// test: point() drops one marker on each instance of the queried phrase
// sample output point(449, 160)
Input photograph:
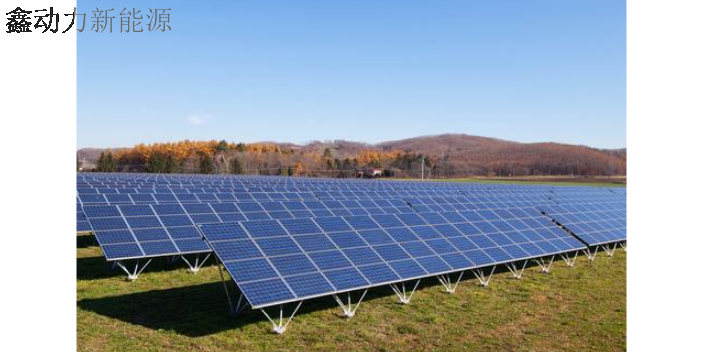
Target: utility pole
point(422, 169)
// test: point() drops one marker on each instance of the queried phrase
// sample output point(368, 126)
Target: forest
point(444, 156)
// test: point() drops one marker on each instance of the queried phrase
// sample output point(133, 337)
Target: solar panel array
point(596, 220)
point(82, 223)
point(280, 261)
point(129, 231)
point(290, 239)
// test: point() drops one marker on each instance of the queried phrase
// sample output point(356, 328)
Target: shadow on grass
point(202, 310)
point(85, 240)
point(192, 311)
point(93, 268)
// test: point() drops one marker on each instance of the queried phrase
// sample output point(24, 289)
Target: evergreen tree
point(206, 164)
point(222, 146)
point(236, 167)
point(106, 163)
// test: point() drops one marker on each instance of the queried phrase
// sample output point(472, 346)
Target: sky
point(364, 70)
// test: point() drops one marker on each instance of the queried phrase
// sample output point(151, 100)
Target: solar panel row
point(284, 260)
point(286, 240)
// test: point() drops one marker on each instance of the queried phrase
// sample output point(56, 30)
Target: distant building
point(370, 173)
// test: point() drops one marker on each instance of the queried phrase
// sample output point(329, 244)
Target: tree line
point(332, 160)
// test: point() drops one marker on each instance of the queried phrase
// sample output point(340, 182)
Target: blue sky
point(297, 71)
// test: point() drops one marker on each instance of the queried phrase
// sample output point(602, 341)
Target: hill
point(448, 155)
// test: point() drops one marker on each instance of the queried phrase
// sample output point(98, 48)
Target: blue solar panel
point(362, 256)
point(361, 222)
point(264, 228)
point(309, 284)
point(293, 264)
point(300, 226)
point(123, 250)
point(417, 248)
point(178, 232)
point(156, 248)
point(332, 259)
point(333, 224)
point(191, 245)
point(346, 239)
point(594, 224)
point(433, 264)
point(150, 234)
point(262, 292)
point(235, 250)
point(114, 237)
point(378, 273)
point(300, 238)
point(344, 279)
point(251, 270)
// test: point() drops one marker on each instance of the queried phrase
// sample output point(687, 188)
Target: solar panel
point(409, 229)
point(594, 224)
point(139, 231)
point(300, 259)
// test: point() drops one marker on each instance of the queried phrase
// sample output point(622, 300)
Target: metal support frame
point(623, 245)
point(195, 267)
point(591, 255)
point(517, 274)
point(348, 309)
point(610, 250)
point(403, 296)
point(132, 275)
point(545, 265)
point(446, 282)
point(569, 261)
point(235, 309)
point(280, 325)
point(483, 280)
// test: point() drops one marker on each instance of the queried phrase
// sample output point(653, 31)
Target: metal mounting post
point(132, 275)
point(623, 245)
point(280, 325)
point(348, 309)
point(446, 282)
point(610, 250)
point(545, 265)
point(235, 309)
point(195, 267)
point(591, 255)
point(483, 280)
point(403, 296)
point(517, 274)
point(569, 261)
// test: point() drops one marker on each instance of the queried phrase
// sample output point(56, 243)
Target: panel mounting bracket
point(400, 289)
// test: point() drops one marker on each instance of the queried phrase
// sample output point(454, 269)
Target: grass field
point(620, 182)
point(617, 182)
point(167, 308)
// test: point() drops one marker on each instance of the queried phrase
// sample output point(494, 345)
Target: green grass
point(520, 182)
point(169, 309)
point(541, 183)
